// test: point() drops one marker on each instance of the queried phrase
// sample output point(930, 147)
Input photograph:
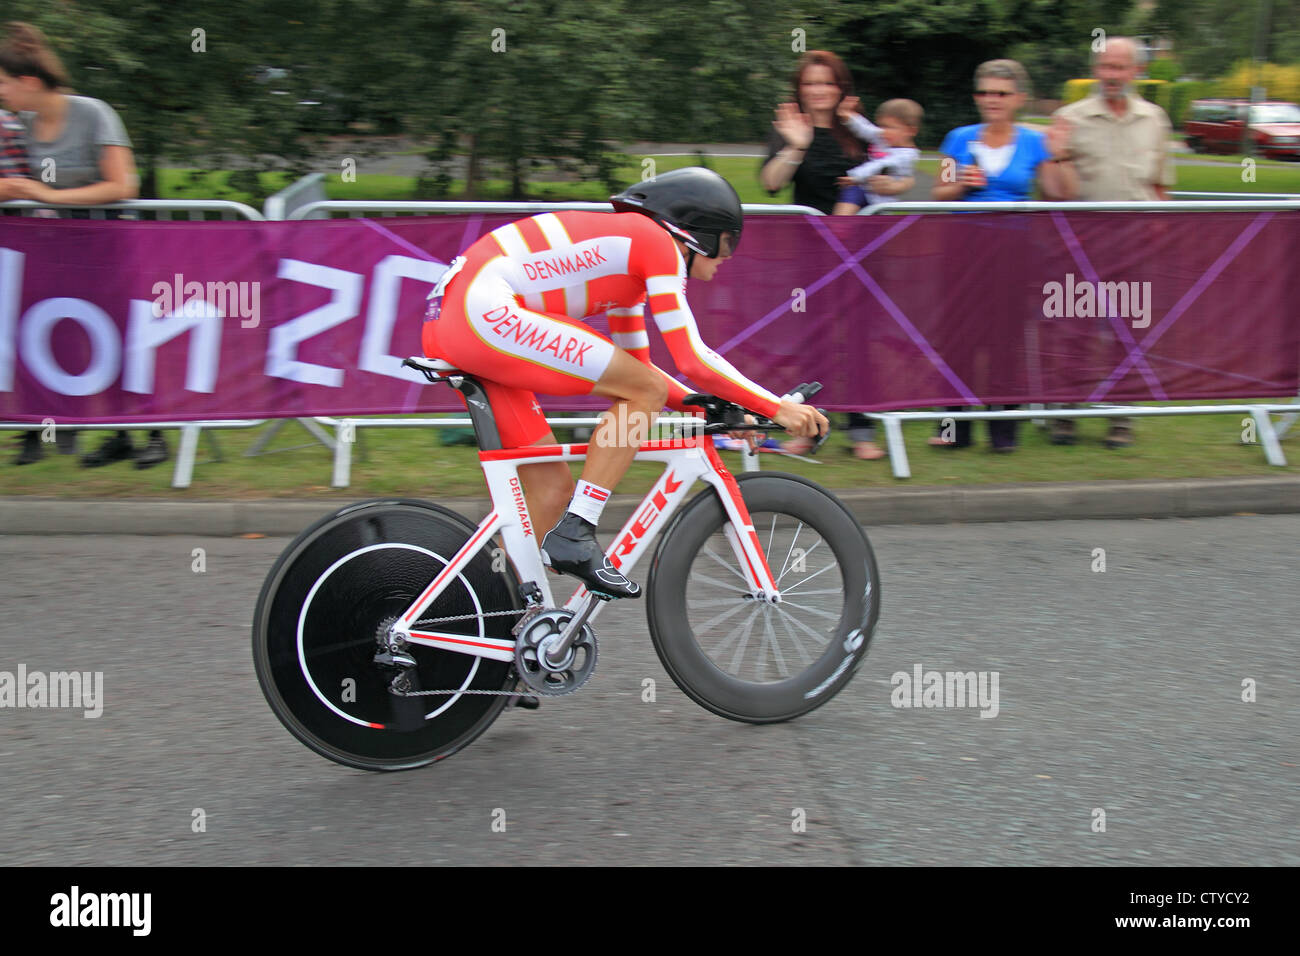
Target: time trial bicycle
point(391, 633)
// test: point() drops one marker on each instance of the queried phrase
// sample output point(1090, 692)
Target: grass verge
point(412, 462)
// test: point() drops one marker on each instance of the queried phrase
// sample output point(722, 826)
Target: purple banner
point(150, 321)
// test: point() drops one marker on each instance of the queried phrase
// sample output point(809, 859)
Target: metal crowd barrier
point(352, 208)
point(1190, 205)
point(153, 209)
point(301, 192)
point(346, 434)
point(294, 203)
point(1269, 432)
point(194, 210)
point(1236, 196)
point(185, 452)
point(1259, 411)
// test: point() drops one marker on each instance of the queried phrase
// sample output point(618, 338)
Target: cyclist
point(509, 309)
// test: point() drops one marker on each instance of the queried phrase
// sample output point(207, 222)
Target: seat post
point(480, 411)
point(476, 400)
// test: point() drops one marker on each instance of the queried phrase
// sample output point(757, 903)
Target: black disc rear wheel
point(330, 597)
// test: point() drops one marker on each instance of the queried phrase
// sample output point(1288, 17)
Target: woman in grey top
point(78, 150)
point(79, 154)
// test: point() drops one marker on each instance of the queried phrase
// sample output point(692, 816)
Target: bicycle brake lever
point(799, 395)
point(821, 440)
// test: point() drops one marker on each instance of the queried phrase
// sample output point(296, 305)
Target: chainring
point(576, 668)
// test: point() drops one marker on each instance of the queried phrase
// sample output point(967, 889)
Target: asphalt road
point(1119, 691)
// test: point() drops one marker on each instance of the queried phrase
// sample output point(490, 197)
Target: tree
point(524, 82)
point(182, 79)
point(1211, 35)
point(928, 52)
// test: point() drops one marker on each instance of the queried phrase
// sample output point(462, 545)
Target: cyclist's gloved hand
point(802, 421)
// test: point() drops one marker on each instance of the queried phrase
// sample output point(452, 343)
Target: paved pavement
point(1120, 693)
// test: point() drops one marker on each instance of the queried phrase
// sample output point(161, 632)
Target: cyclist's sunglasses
point(715, 245)
point(727, 243)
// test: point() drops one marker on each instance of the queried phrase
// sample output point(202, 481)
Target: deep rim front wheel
point(749, 659)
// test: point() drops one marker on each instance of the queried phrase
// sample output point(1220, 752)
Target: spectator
point(996, 160)
point(1117, 149)
point(811, 146)
point(84, 157)
point(13, 165)
point(13, 148)
point(893, 150)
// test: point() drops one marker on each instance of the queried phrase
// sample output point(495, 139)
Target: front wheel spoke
point(839, 591)
point(812, 610)
point(770, 634)
point(799, 584)
point(796, 643)
point(785, 616)
point(744, 642)
point(734, 570)
point(711, 602)
point(804, 558)
point(793, 542)
point(740, 606)
point(719, 648)
point(700, 576)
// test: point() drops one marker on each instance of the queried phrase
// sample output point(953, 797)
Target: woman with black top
point(811, 146)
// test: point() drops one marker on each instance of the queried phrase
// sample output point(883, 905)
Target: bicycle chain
point(465, 617)
point(490, 693)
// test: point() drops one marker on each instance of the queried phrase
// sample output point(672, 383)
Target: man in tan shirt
point(1117, 152)
point(1118, 141)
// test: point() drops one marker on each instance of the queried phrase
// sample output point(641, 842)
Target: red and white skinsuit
point(511, 308)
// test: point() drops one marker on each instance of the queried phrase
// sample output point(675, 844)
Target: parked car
point(1215, 126)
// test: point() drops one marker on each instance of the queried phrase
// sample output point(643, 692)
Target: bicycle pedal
point(526, 701)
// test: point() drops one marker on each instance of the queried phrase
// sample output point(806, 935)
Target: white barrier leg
point(1287, 420)
point(343, 454)
point(1268, 437)
point(897, 450)
point(319, 433)
point(184, 472)
point(265, 438)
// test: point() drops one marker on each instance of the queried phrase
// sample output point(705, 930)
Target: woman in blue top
point(996, 160)
point(993, 161)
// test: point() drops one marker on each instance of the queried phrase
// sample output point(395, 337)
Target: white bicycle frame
point(686, 460)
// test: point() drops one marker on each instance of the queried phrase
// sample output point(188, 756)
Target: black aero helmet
point(694, 204)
